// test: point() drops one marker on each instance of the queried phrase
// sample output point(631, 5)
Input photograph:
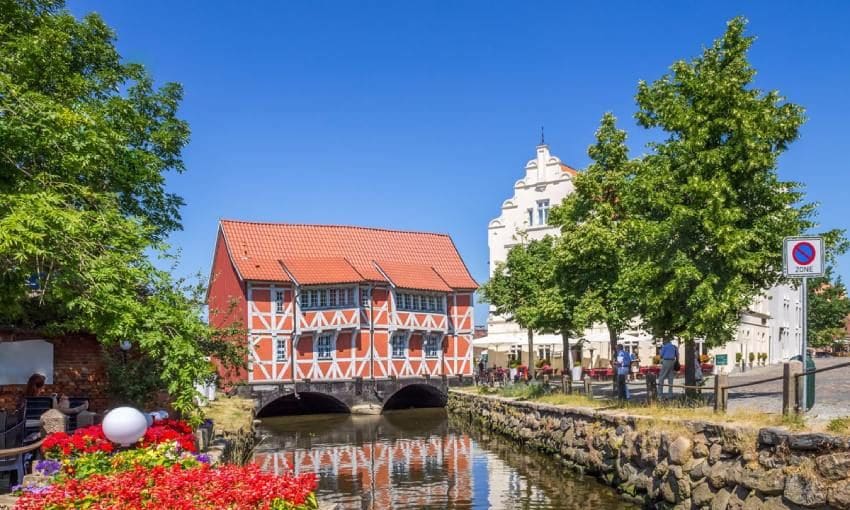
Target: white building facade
point(772, 325)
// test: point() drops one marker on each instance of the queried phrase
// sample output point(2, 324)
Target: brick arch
point(415, 395)
point(309, 402)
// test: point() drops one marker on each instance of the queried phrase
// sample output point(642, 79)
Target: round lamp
point(124, 425)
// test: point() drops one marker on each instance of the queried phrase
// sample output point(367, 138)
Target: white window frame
point(317, 345)
point(543, 212)
point(365, 298)
point(530, 211)
point(278, 301)
point(327, 298)
point(279, 348)
point(419, 302)
point(433, 338)
point(405, 340)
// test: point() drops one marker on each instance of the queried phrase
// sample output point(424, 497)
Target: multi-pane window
point(279, 349)
point(419, 302)
point(364, 297)
point(278, 301)
point(399, 345)
point(544, 352)
point(530, 212)
point(336, 297)
point(431, 345)
point(323, 346)
point(542, 212)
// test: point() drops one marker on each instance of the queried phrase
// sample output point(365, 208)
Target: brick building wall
point(78, 370)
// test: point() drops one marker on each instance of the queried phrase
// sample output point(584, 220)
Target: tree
point(557, 299)
point(85, 141)
point(593, 246)
point(518, 286)
point(829, 307)
point(708, 211)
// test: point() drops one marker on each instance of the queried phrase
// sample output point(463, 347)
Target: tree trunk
point(690, 368)
point(613, 334)
point(568, 356)
point(530, 353)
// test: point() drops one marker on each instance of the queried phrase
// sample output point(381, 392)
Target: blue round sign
point(803, 253)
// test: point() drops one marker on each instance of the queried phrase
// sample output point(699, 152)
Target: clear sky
point(421, 115)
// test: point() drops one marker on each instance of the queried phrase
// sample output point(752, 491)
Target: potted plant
point(705, 358)
point(656, 360)
point(752, 357)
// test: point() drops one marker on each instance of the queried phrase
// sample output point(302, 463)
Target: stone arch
point(415, 395)
point(308, 402)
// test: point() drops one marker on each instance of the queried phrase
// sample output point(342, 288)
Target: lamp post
point(125, 346)
point(124, 425)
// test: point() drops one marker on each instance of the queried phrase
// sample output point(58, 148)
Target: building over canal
point(325, 303)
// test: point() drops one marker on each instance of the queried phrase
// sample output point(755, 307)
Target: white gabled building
point(772, 325)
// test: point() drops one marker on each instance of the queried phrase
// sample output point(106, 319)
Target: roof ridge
point(334, 225)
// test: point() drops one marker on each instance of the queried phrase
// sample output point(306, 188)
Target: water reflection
point(420, 459)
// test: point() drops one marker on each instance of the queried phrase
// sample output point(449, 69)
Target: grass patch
point(839, 425)
point(575, 400)
point(230, 414)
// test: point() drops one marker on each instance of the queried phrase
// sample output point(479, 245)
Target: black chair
point(34, 408)
point(13, 438)
point(72, 418)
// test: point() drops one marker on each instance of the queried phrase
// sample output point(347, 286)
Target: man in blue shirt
point(669, 355)
point(623, 364)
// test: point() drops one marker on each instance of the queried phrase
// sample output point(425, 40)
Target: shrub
point(738, 357)
point(752, 357)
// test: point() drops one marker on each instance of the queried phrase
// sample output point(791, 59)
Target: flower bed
point(161, 471)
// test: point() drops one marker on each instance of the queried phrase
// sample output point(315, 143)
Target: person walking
point(623, 364)
point(669, 356)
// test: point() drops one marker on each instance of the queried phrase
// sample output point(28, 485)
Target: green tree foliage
point(85, 142)
point(829, 307)
point(708, 209)
point(593, 247)
point(521, 288)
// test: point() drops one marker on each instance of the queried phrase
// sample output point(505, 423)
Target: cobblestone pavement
point(832, 390)
point(832, 394)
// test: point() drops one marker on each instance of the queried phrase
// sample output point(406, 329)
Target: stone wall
point(681, 465)
point(78, 370)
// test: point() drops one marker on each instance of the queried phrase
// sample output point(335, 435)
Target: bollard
point(787, 388)
point(722, 382)
point(588, 389)
point(651, 387)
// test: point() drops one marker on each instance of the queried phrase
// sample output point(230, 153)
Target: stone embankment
point(678, 464)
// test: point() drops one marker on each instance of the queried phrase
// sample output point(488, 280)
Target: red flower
point(203, 487)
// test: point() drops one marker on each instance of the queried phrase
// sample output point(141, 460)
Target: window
point(337, 297)
point(530, 217)
point(431, 344)
point(544, 352)
point(419, 302)
point(364, 298)
point(542, 212)
point(515, 354)
point(278, 300)
point(323, 346)
point(399, 345)
point(280, 349)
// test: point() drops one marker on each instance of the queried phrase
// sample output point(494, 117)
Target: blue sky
point(421, 115)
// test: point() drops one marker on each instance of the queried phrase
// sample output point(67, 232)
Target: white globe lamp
point(124, 425)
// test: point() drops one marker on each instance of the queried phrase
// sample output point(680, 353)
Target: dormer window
point(336, 297)
point(413, 302)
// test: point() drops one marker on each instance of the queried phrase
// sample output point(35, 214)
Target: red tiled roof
point(413, 276)
point(568, 169)
point(253, 246)
point(321, 270)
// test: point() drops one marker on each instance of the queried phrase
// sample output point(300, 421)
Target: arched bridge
point(308, 397)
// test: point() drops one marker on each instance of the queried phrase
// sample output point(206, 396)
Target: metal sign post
point(802, 257)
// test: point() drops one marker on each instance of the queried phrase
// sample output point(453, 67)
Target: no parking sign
point(803, 257)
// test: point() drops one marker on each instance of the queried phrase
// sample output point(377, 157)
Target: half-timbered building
point(324, 302)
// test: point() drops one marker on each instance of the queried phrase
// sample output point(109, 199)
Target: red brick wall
point(78, 370)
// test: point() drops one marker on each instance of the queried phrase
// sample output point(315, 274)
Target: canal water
point(422, 459)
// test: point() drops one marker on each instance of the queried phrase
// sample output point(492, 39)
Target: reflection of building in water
point(504, 483)
point(404, 473)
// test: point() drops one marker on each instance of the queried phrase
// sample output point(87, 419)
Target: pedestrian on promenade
point(623, 365)
point(669, 356)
